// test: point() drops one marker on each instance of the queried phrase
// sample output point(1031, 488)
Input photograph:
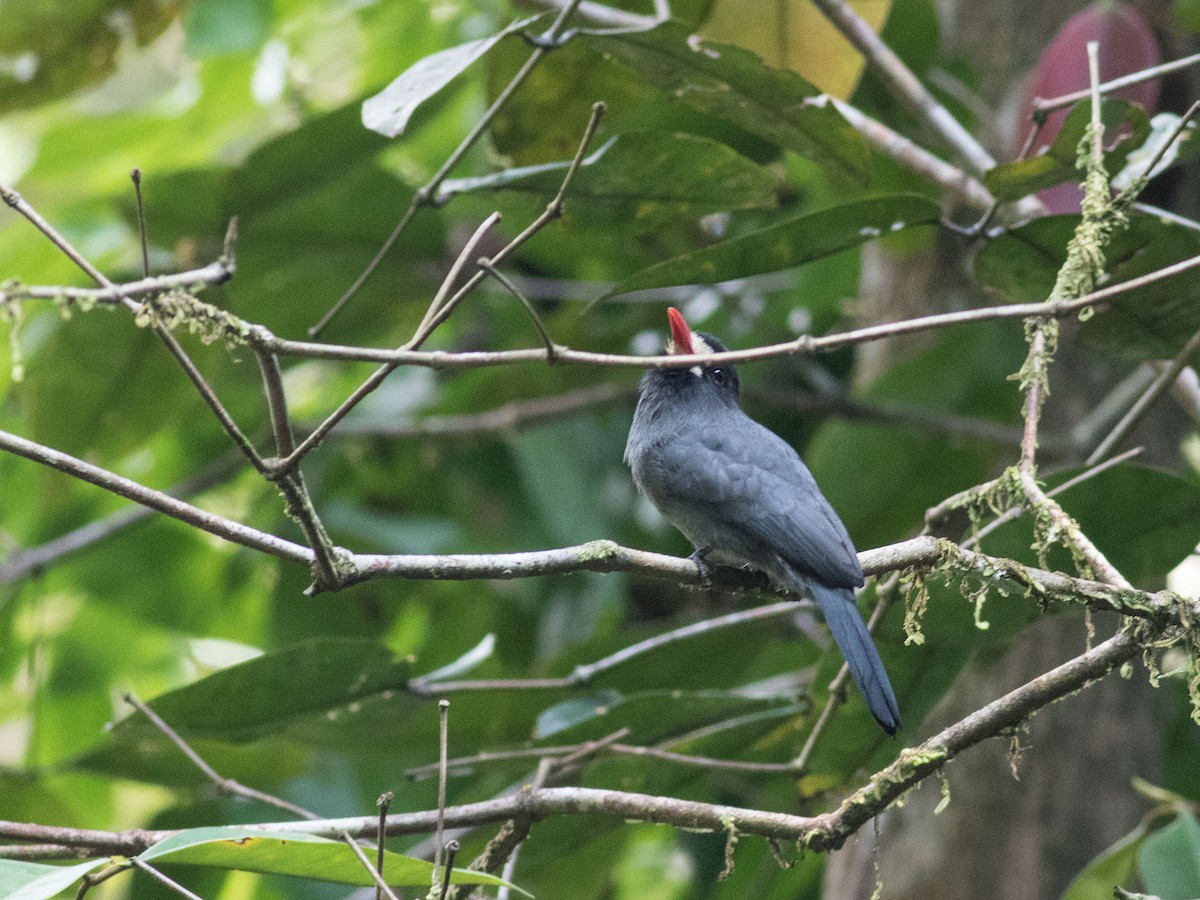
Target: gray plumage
point(738, 490)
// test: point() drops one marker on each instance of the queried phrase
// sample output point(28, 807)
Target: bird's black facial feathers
point(674, 386)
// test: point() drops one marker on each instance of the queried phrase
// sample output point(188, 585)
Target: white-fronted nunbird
point(739, 492)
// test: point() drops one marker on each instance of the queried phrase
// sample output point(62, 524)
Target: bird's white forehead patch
point(699, 345)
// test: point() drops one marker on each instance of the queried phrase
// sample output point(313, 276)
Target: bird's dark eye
point(720, 376)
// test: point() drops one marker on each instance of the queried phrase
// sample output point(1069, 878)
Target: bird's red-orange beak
point(681, 335)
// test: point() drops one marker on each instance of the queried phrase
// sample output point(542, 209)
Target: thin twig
point(1093, 60)
point(136, 175)
point(291, 482)
point(162, 879)
point(584, 673)
point(903, 84)
point(1053, 308)
point(443, 754)
point(553, 211)
point(1043, 106)
point(21, 563)
point(17, 202)
point(439, 299)
point(235, 788)
point(551, 347)
point(1165, 146)
point(425, 194)
point(225, 785)
point(217, 272)
point(384, 801)
point(228, 529)
point(1166, 377)
point(451, 852)
point(1016, 512)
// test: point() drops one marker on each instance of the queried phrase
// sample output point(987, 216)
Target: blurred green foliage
point(253, 110)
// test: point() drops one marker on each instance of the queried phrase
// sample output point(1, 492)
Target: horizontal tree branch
point(827, 831)
point(157, 500)
point(217, 272)
point(600, 555)
point(437, 359)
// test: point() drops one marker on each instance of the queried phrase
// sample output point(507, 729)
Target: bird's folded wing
point(760, 486)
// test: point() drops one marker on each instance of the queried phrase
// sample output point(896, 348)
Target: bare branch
point(217, 272)
point(17, 202)
point(582, 674)
point(1054, 308)
point(1042, 106)
point(156, 500)
point(903, 84)
point(553, 211)
point(162, 879)
point(1167, 376)
point(425, 194)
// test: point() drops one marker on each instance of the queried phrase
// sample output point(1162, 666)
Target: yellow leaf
point(795, 35)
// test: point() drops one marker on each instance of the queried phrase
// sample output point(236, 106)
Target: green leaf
point(261, 696)
point(1169, 860)
point(1108, 870)
point(298, 854)
point(787, 244)
point(1150, 322)
point(650, 715)
point(216, 27)
point(735, 85)
point(1011, 181)
point(389, 111)
point(35, 881)
point(643, 170)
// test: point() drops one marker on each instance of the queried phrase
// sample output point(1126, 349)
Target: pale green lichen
point(180, 307)
point(598, 551)
point(731, 839)
point(12, 313)
point(915, 586)
point(945, 801)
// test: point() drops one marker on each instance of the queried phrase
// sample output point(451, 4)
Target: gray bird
point(739, 492)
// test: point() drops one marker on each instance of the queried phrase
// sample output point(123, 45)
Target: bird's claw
point(703, 568)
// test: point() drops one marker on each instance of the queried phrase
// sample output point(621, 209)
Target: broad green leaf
point(789, 243)
point(1169, 859)
point(389, 111)
point(34, 881)
point(298, 854)
point(643, 171)
point(1150, 322)
point(260, 696)
point(735, 85)
point(571, 712)
point(1011, 181)
point(1110, 869)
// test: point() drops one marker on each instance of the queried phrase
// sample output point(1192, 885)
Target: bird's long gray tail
point(850, 632)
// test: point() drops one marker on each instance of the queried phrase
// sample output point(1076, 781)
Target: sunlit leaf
point(796, 36)
point(389, 111)
point(34, 881)
point(297, 854)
